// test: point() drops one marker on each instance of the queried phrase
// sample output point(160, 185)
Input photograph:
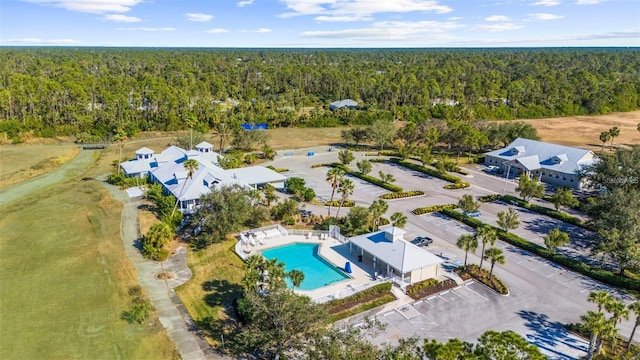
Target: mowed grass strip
point(216, 281)
point(65, 276)
point(19, 163)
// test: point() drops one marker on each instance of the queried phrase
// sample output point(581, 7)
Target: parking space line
point(475, 292)
point(418, 302)
point(555, 273)
point(461, 297)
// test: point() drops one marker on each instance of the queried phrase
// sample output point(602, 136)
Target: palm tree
point(604, 137)
point(120, 137)
point(334, 177)
point(398, 219)
point(190, 165)
point(224, 131)
point(618, 311)
point(598, 326)
point(345, 188)
point(601, 298)
point(376, 211)
point(494, 255)
point(297, 277)
point(614, 132)
point(467, 243)
point(487, 235)
point(635, 307)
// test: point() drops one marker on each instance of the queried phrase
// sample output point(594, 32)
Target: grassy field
point(217, 272)
point(15, 167)
point(65, 276)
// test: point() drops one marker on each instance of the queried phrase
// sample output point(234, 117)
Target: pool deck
point(336, 253)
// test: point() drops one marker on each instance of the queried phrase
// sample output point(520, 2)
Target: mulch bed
point(348, 305)
point(430, 290)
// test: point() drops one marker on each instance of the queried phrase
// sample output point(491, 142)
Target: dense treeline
point(91, 92)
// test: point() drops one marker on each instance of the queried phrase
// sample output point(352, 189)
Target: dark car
point(422, 241)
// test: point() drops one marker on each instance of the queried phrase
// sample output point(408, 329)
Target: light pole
point(506, 178)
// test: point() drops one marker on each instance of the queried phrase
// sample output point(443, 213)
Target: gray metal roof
point(144, 151)
point(400, 254)
point(568, 160)
point(256, 175)
point(343, 103)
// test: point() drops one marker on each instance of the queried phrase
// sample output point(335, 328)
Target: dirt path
point(71, 169)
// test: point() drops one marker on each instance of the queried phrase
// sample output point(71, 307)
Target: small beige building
point(391, 256)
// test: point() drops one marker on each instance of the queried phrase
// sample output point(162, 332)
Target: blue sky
point(320, 23)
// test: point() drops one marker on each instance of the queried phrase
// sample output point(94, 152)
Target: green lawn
point(64, 278)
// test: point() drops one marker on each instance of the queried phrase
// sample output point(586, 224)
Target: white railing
point(350, 290)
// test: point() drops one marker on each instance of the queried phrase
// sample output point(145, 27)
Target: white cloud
point(543, 16)
point(198, 17)
point(504, 26)
point(454, 18)
point(391, 30)
point(217, 31)
point(546, 3)
point(147, 29)
point(122, 18)
point(263, 30)
point(497, 18)
point(347, 18)
point(360, 8)
point(245, 3)
point(589, 2)
point(35, 41)
point(91, 6)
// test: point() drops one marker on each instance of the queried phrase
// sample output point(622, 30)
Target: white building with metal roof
point(392, 256)
point(346, 103)
point(553, 164)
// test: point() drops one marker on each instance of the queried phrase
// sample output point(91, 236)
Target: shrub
point(489, 198)
point(460, 185)
point(371, 154)
point(421, 285)
point(336, 203)
point(322, 164)
point(425, 170)
point(377, 289)
point(429, 287)
point(461, 171)
point(433, 208)
point(379, 300)
point(308, 194)
point(400, 195)
point(482, 276)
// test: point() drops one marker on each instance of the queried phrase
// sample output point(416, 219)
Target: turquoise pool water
point(318, 272)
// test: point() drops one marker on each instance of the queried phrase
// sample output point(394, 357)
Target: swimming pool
point(318, 272)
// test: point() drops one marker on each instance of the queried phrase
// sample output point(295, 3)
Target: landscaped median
point(484, 277)
point(602, 275)
point(553, 213)
point(432, 209)
point(401, 195)
point(359, 302)
point(456, 182)
point(428, 287)
point(370, 179)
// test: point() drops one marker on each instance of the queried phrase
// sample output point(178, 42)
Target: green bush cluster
point(377, 289)
point(388, 153)
point(400, 195)
point(482, 276)
point(119, 179)
point(421, 285)
point(460, 185)
point(336, 203)
point(433, 208)
point(322, 164)
point(384, 299)
point(371, 154)
point(578, 266)
point(461, 171)
point(489, 198)
point(371, 179)
point(553, 213)
point(378, 160)
point(429, 171)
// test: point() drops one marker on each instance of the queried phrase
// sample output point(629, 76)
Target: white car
point(491, 169)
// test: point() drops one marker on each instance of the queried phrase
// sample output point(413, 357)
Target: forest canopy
point(93, 92)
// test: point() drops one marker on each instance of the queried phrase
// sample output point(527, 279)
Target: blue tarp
point(347, 267)
point(247, 126)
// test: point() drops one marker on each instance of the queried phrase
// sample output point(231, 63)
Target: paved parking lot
point(543, 295)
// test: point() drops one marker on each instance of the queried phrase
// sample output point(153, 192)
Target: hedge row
point(460, 185)
point(336, 203)
point(371, 179)
point(429, 171)
point(602, 275)
point(377, 289)
point(421, 285)
point(433, 208)
point(400, 195)
point(489, 198)
point(374, 303)
point(562, 216)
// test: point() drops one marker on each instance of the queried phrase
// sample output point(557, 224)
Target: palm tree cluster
point(485, 235)
point(602, 329)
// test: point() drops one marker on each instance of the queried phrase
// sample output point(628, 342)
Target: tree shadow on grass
point(549, 334)
point(220, 292)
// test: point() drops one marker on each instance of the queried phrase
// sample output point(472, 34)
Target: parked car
point(422, 241)
point(491, 169)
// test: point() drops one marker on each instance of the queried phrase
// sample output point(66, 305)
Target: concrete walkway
point(171, 312)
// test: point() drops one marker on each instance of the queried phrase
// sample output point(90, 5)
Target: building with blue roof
point(553, 164)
